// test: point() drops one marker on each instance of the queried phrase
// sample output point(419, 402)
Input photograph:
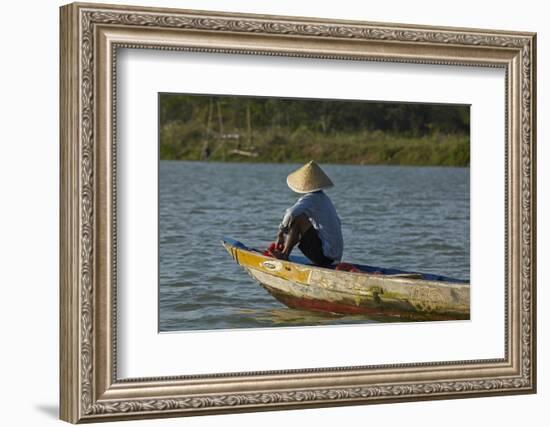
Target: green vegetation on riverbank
point(283, 130)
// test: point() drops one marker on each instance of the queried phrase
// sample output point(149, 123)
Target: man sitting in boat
point(312, 222)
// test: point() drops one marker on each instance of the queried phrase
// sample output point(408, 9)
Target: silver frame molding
point(90, 37)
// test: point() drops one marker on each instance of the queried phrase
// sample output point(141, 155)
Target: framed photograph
point(267, 212)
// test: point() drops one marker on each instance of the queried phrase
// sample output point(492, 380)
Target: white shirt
point(321, 213)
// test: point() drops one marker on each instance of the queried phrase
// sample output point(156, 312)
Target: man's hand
point(280, 255)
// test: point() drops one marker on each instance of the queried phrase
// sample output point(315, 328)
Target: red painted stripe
point(310, 304)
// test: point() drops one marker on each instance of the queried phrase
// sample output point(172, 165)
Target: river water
point(410, 218)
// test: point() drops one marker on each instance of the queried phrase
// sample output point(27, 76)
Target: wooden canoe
point(379, 293)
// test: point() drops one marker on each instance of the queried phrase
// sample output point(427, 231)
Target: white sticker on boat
point(272, 265)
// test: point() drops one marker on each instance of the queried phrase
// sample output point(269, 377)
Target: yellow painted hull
point(399, 297)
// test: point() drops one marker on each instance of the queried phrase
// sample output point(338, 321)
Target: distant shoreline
point(278, 130)
point(365, 148)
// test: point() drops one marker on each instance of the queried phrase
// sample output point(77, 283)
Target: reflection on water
point(291, 317)
point(412, 218)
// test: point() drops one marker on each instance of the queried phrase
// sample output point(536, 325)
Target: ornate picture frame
point(90, 37)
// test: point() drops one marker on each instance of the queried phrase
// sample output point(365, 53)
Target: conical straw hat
point(308, 178)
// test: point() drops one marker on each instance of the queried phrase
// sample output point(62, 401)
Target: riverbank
point(183, 142)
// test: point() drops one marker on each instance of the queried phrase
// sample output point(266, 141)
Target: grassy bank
point(183, 141)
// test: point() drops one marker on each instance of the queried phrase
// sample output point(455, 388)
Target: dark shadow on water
point(49, 409)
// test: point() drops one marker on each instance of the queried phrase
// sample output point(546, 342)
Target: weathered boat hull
point(378, 296)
